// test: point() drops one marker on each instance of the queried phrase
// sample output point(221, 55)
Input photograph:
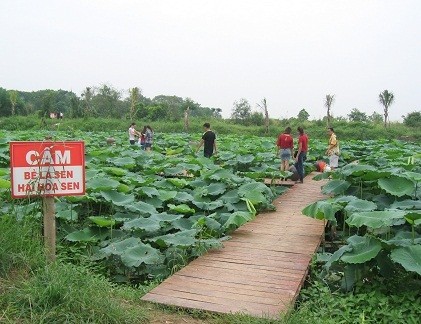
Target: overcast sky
point(292, 52)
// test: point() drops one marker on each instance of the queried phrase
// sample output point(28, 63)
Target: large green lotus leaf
point(408, 257)
point(166, 195)
point(118, 248)
point(209, 222)
point(237, 219)
point(208, 206)
point(125, 162)
point(179, 239)
point(356, 170)
point(413, 218)
point(102, 221)
point(322, 210)
point(102, 184)
point(115, 171)
point(182, 224)
point(117, 198)
point(258, 186)
point(337, 255)
point(144, 224)
point(182, 209)
point(164, 217)
point(124, 188)
point(183, 197)
point(375, 174)
point(190, 167)
point(230, 197)
point(245, 159)
point(366, 249)
point(67, 214)
point(141, 254)
point(335, 187)
point(344, 200)
point(376, 219)
point(142, 208)
point(255, 197)
point(88, 234)
point(4, 171)
point(179, 183)
point(215, 189)
point(397, 186)
point(149, 191)
point(174, 170)
point(406, 204)
point(404, 238)
point(414, 176)
point(4, 184)
point(221, 174)
point(360, 205)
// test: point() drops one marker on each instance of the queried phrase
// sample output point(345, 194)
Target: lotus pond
point(146, 214)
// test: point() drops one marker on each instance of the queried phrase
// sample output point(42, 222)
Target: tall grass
point(315, 128)
point(34, 291)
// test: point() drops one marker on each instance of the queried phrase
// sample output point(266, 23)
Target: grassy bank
point(34, 291)
point(316, 129)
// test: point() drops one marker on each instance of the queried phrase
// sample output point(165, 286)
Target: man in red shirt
point(285, 144)
point(301, 153)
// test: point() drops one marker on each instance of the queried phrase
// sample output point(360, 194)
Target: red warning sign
point(47, 168)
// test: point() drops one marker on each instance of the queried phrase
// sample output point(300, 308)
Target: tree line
point(105, 101)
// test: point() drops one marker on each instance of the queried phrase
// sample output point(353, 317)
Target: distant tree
point(87, 96)
point(328, 104)
point(5, 105)
point(357, 116)
point(186, 119)
point(386, 98)
point(13, 96)
point(75, 107)
point(48, 101)
point(413, 119)
point(303, 115)
point(216, 112)
point(107, 102)
point(255, 118)
point(376, 118)
point(241, 110)
point(263, 106)
point(135, 94)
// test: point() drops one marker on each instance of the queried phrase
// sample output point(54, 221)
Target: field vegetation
point(146, 215)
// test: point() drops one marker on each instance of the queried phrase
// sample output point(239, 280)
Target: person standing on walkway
point(301, 153)
point(148, 138)
point(332, 149)
point(285, 144)
point(209, 141)
point(133, 133)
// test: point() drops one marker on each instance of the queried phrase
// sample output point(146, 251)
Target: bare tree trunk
point(186, 119)
point(264, 107)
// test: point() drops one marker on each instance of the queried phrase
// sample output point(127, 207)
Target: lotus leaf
point(182, 209)
point(360, 205)
point(166, 195)
point(88, 234)
point(144, 224)
point(406, 204)
point(180, 239)
point(141, 207)
point(397, 185)
point(335, 187)
point(376, 219)
point(364, 249)
point(141, 254)
point(102, 184)
point(4, 184)
point(408, 257)
point(183, 197)
point(118, 248)
point(102, 221)
point(117, 198)
point(322, 210)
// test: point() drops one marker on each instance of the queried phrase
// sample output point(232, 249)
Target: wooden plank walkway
point(259, 271)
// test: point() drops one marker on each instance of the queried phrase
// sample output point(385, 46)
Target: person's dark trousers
point(299, 165)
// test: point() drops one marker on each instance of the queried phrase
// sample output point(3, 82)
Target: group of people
point(285, 150)
point(145, 137)
point(284, 147)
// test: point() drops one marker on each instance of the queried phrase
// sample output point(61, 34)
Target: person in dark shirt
point(301, 154)
point(208, 141)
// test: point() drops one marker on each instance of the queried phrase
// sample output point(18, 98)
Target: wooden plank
point(260, 270)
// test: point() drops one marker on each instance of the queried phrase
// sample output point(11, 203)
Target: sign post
point(47, 169)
